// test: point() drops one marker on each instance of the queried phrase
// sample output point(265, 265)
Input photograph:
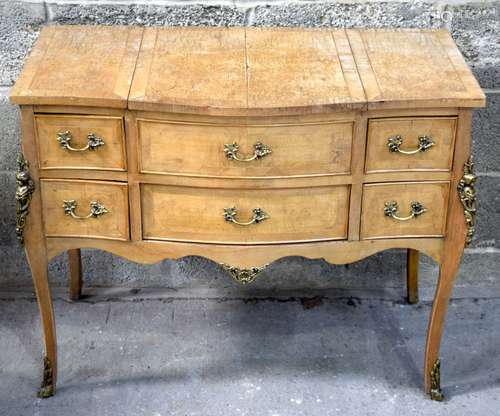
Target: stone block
point(373, 15)
point(7, 210)
point(488, 212)
point(148, 15)
point(486, 135)
point(20, 23)
point(476, 29)
point(9, 132)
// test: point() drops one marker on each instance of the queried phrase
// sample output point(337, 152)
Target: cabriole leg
point(30, 234)
point(29, 231)
point(412, 261)
point(75, 274)
point(38, 263)
point(447, 274)
point(459, 232)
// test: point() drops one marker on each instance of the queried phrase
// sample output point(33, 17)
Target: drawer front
point(85, 209)
point(406, 144)
point(81, 142)
point(207, 215)
point(393, 210)
point(207, 150)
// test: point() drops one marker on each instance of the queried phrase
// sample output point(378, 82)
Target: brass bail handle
point(394, 144)
point(96, 209)
point(260, 151)
point(93, 141)
point(258, 216)
point(391, 209)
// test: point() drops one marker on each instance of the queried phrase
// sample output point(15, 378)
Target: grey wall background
point(474, 26)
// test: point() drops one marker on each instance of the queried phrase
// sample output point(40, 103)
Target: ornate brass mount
point(96, 209)
point(258, 216)
point(47, 387)
point(467, 192)
point(391, 209)
point(243, 276)
point(260, 150)
point(93, 141)
point(435, 391)
point(24, 191)
point(395, 142)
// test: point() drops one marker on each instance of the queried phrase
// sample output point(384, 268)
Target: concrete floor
point(342, 355)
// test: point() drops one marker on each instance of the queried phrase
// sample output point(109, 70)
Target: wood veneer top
point(246, 71)
point(413, 68)
point(80, 65)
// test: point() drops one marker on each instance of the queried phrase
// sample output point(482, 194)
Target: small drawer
point(80, 142)
point(406, 144)
point(274, 150)
point(85, 209)
point(248, 216)
point(412, 209)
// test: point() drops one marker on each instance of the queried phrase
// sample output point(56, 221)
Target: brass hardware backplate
point(96, 209)
point(395, 142)
point(24, 191)
point(259, 215)
point(93, 141)
point(435, 391)
point(47, 387)
point(260, 151)
point(243, 276)
point(467, 192)
point(391, 209)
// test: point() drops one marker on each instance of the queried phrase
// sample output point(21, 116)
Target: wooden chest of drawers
point(244, 146)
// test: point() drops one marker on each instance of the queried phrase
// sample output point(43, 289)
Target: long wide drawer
point(81, 142)
point(411, 209)
point(275, 150)
point(85, 209)
point(410, 143)
point(235, 216)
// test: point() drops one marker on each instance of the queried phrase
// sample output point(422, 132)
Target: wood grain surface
point(80, 65)
point(197, 149)
point(197, 214)
point(412, 68)
point(433, 195)
point(438, 158)
point(110, 156)
point(246, 71)
point(190, 68)
point(112, 195)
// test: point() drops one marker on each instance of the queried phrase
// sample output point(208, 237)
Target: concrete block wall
point(475, 27)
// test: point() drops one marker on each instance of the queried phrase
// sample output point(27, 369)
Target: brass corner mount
point(467, 191)
point(24, 191)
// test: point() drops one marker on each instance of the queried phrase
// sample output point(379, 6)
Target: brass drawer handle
point(93, 141)
point(96, 209)
point(258, 216)
point(395, 142)
point(231, 151)
point(391, 209)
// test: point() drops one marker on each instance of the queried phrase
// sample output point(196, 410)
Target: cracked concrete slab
point(345, 356)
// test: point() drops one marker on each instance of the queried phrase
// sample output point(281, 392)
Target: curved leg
point(412, 275)
point(38, 263)
point(75, 273)
point(459, 231)
point(36, 253)
point(29, 230)
point(447, 274)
